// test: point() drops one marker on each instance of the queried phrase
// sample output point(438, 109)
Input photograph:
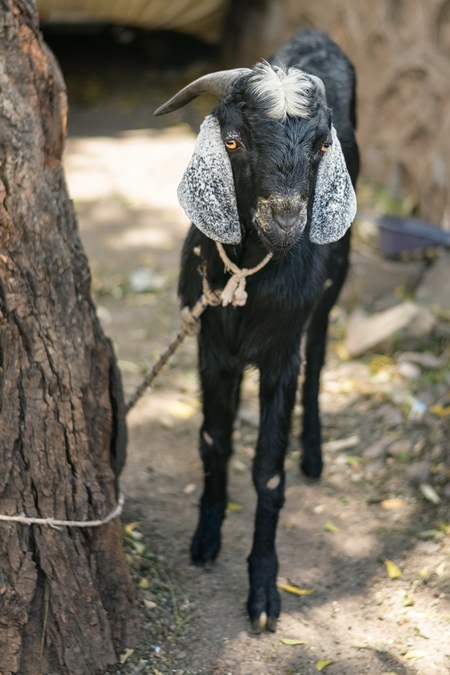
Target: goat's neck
point(249, 252)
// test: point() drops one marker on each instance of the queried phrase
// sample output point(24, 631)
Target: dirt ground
point(334, 537)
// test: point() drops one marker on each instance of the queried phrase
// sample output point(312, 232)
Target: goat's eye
point(231, 144)
point(324, 147)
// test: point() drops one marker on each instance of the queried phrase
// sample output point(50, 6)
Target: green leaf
point(353, 460)
point(138, 547)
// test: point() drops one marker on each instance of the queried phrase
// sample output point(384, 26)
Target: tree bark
point(66, 598)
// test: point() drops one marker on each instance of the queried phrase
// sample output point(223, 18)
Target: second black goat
point(273, 170)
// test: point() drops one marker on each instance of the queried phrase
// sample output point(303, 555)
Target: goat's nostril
point(286, 221)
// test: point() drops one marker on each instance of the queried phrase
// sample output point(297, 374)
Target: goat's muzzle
point(281, 220)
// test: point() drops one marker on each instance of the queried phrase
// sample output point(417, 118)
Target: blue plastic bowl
point(397, 235)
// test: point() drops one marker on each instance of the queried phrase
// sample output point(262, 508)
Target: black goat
point(268, 174)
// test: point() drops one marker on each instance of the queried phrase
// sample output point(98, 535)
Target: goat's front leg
point(220, 401)
point(277, 396)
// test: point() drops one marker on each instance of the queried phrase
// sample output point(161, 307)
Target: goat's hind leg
point(220, 401)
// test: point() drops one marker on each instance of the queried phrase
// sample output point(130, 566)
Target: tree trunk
point(65, 594)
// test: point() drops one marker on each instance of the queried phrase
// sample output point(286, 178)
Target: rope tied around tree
point(57, 524)
point(235, 294)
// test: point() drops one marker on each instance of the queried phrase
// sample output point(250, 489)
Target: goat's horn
point(219, 83)
point(320, 84)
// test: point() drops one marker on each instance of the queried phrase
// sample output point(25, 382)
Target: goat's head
point(268, 157)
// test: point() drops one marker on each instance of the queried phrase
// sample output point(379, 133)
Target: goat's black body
point(285, 300)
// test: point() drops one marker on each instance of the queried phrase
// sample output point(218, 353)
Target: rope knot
point(234, 292)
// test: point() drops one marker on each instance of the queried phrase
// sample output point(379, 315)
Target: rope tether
point(234, 293)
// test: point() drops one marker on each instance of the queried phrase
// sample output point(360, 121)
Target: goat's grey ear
point(206, 191)
point(334, 206)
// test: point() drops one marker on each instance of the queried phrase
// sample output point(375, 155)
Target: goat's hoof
point(259, 624)
point(271, 625)
point(205, 547)
point(207, 538)
point(203, 557)
point(264, 622)
point(265, 619)
point(311, 468)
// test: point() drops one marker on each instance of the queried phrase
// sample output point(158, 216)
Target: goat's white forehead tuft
point(284, 92)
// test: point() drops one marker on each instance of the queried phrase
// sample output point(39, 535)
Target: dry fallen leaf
point(341, 444)
point(126, 654)
point(430, 493)
point(129, 527)
point(393, 571)
point(149, 604)
point(392, 503)
point(440, 411)
point(183, 411)
point(295, 589)
point(342, 352)
point(408, 601)
point(189, 489)
point(440, 569)
point(415, 654)
point(444, 527)
point(424, 572)
point(330, 527)
point(320, 665)
point(290, 641)
point(144, 583)
point(380, 362)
